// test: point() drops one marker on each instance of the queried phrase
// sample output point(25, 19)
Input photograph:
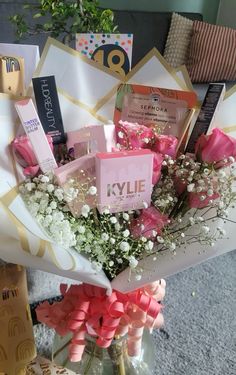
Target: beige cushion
point(178, 40)
point(212, 53)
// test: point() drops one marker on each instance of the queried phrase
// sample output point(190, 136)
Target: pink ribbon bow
point(86, 309)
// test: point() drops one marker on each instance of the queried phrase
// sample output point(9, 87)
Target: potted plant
point(59, 18)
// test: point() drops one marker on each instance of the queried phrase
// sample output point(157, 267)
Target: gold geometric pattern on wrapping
point(25, 350)
point(20, 370)
point(15, 327)
point(6, 310)
point(28, 313)
point(3, 356)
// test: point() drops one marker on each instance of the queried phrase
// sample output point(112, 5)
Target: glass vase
point(113, 360)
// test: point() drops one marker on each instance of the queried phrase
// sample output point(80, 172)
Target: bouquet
point(104, 211)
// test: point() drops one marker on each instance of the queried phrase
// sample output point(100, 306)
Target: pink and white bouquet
point(116, 207)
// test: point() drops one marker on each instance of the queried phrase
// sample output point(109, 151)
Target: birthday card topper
point(111, 50)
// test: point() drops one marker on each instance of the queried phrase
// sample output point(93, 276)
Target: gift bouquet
point(114, 206)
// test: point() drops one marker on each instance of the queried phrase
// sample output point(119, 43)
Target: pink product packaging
point(97, 138)
point(124, 180)
point(34, 130)
point(78, 174)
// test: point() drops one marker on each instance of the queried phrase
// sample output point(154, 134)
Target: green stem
point(91, 357)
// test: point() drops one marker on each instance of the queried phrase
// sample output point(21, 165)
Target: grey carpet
point(200, 319)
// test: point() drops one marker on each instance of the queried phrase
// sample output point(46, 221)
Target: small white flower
point(221, 173)
point(50, 188)
point(48, 210)
point(119, 260)
point(143, 239)
point(172, 246)
point(38, 194)
point(53, 205)
point(221, 205)
point(210, 192)
point(85, 210)
point(154, 233)
point(231, 159)
point(133, 262)
point(87, 249)
point(106, 211)
point(182, 235)
point(145, 205)
point(190, 187)
point(202, 197)
point(126, 233)
point(124, 246)
point(126, 216)
point(117, 227)
point(146, 140)
point(138, 277)
point(112, 241)
point(105, 237)
point(29, 186)
point(81, 229)
point(149, 245)
point(200, 219)
point(160, 239)
point(113, 220)
point(111, 263)
point(192, 220)
point(59, 194)
point(92, 190)
point(205, 229)
point(44, 179)
point(120, 134)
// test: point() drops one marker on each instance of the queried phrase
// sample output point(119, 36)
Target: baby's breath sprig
point(104, 238)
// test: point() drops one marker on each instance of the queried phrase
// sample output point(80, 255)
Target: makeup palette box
point(78, 174)
point(124, 180)
point(12, 75)
point(34, 130)
point(91, 139)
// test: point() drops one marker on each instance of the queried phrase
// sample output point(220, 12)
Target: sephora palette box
point(124, 180)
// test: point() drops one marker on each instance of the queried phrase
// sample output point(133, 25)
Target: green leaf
point(37, 15)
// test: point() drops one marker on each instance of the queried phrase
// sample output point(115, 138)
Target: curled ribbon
point(86, 309)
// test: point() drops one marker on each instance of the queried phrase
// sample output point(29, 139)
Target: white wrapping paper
point(82, 85)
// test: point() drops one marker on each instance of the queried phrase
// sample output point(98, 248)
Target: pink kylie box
point(124, 180)
point(96, 138)
point(79, 174)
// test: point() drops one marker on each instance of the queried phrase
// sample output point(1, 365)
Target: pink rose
point(157, 164)
point(215, 147)
point(149, 220)
point(25, 155)
point(165, 145)
point(134, 136)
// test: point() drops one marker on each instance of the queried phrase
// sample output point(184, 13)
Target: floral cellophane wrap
point(84, 101)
